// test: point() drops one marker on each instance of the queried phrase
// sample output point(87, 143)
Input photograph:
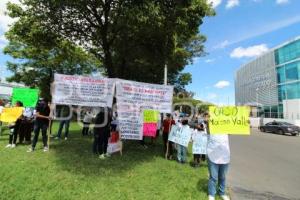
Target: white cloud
point(212, 96)
point(5, 20)
point(280, 2)
point(209, 60)
point(214, 3)
point(251, 51)
point(232, 3)
point(222, 84)
point(3, 42)
point(222, 45)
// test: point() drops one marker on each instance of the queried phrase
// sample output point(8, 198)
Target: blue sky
point(240, 31)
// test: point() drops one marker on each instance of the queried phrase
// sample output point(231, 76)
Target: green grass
point(71, 171)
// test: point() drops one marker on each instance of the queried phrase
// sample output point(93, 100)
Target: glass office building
point(271, 82)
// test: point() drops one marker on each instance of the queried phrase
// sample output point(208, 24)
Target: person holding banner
point(182, 150)
point(14, 129)
point(64, 115)
point(197, 140)
point(101, 133)
point(167, 124)
point(218, 153)
point(41, 123)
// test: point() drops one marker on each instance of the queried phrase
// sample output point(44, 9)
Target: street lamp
point(257, 111)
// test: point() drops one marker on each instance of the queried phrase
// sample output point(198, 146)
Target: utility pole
point(166, 75)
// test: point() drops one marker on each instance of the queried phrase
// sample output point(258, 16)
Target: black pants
point(100, 143)
point(25, 131)
point(165, 140)
point(85, 130)
point(197, 158)
point(37, 127)
point(13, 136)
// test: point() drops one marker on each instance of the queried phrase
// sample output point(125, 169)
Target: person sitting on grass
point(41, 123)
point(218, 154)
point(182, 150)
point(14, 129)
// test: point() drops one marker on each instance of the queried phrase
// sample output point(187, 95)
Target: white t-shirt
point(1, 108)
point(218, 150)
point(88, 117)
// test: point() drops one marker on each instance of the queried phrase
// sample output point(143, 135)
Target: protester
point(101, 133)
point(182, 150)
point(64, 115)
point(87, 120)
point(196, 134)
point(26, 126)
point(168, 145)
point(218, 153)
point(41, 123)
point(14, 129)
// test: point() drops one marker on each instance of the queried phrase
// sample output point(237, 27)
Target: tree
point(41, 53)
point(134, 39)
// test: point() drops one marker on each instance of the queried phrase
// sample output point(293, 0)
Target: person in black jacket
point(102, 133)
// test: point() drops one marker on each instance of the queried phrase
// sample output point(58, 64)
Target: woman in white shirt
point(218, 153)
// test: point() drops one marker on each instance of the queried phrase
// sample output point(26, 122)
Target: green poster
point(27, 96)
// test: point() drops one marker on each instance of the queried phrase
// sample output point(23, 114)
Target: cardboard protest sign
point(229, 120)
point(133, 98)
point(180, 135)
point(27, 96)
point(10, 115)
point(199, 143)
point(149, 129)
point(82, 91)
point(150, 116)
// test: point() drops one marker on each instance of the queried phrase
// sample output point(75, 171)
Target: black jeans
point(100, 143)
point(165, 140)
point(37, 127)
point(25, 131)
point(13, 136)
point(85, 130)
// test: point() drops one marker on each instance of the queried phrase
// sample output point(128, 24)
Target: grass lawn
point(71, 171)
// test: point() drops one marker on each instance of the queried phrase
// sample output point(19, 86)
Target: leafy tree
point(134, 39)
point(39, 53)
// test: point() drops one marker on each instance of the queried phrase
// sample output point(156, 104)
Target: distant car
point(281, 128)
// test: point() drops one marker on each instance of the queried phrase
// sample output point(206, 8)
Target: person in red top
point(167, 124)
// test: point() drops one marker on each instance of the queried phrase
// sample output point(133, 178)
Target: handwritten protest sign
point(199, 142)
point(133, 98)
point(27, 96)
point(10, 115)
point(229, 120)
point(149, 129)
point(150, 116)
point(180, 135)
point(82, 91)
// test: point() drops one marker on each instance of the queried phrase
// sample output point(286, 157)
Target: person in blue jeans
point(182, 150)
point(218, 153)
point(64, 113)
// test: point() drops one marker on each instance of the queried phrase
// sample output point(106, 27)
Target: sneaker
point(211, 198)
point(102, 157)
point(56, 138)
point(107, 155)
point(66, 138)
point(8, 146)
point(46, 149)
point(30, 150)
point(13, 145)
point(225, 197)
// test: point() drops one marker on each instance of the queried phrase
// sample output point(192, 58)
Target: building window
point(281, 74)
point(287, 53)
point(292, 72)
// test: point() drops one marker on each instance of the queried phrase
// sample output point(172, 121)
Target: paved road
point(265, 166)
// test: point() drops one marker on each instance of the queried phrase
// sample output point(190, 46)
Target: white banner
point(180, 135)
point(199, 142)
point(82, 91)
point(133, 98)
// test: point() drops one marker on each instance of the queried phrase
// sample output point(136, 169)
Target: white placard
point(133, 98)
point(82, 91)
point(199, 142)
point(180, 135)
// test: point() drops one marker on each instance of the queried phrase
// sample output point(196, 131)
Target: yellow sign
point(10, 115)
point(151, 116)
point(229, 120)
